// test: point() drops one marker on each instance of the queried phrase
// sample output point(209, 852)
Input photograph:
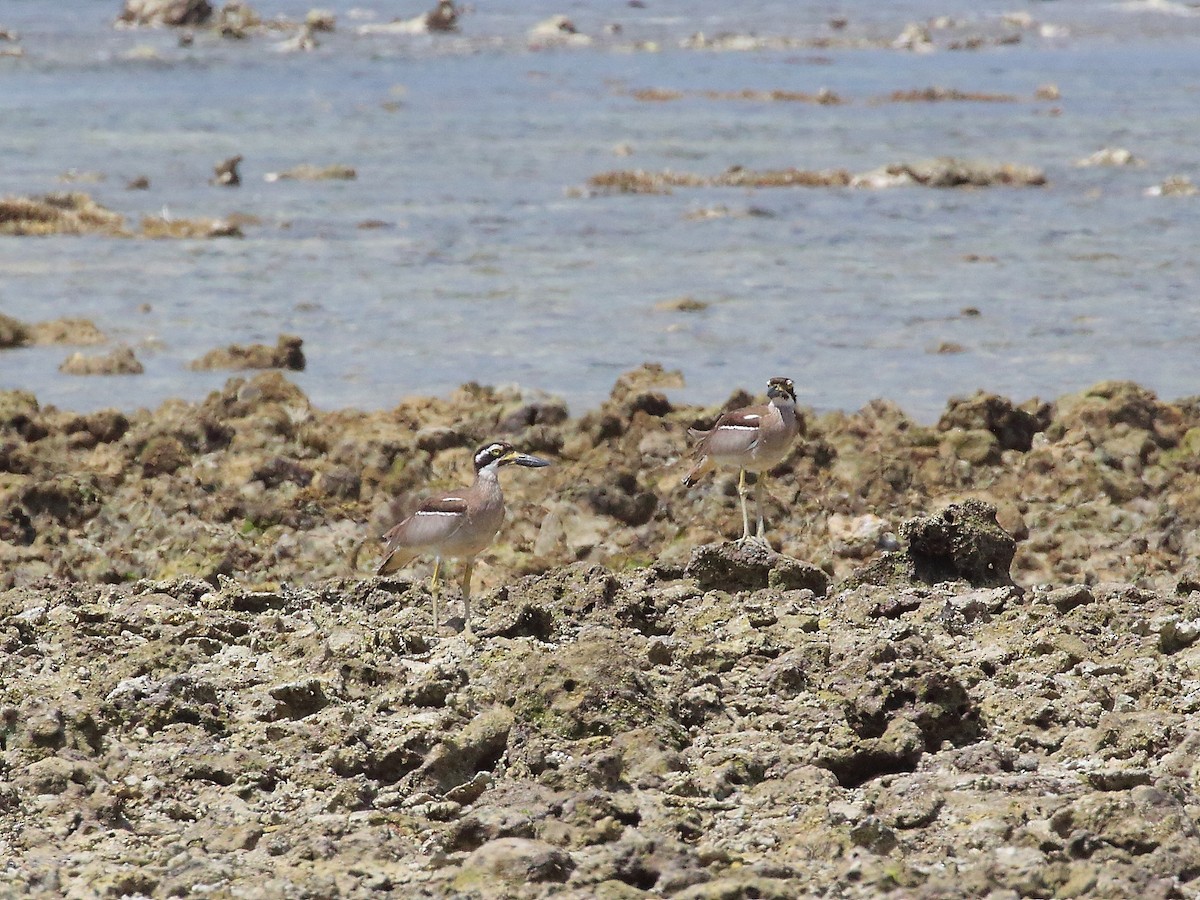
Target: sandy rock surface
point(967, 667)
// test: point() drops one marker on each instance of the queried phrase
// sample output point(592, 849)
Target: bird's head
point(781, 389)
point(502, 453)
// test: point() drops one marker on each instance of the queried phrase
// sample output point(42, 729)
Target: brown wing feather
point(747, 416)
point(735, 433)
point(443, 505)
point(435, 520)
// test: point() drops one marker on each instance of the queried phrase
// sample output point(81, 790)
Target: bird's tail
point(701, 465)
point(396, 558)
point(696, 472)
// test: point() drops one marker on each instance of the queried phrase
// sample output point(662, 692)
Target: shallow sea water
point(494, 264)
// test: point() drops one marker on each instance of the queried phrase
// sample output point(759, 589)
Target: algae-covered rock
point(171, 13)
point(1013, 427)
point(12, 332)
point(515, 861)
point(751, 565)
point(962, 542)
point(120, 361)
point(58, 213)
point(67, 330)
point(286, 354)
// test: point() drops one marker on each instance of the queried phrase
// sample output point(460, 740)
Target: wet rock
point(159, 228)
point(235, 20)
point(557, 31)
point(948, 172)
point(443, 18)
point(320, 20)
point(59, 213)
point(641, 182)
point(171, 13)
point(286, 354)
point(120, 361)
point(66, 331)
point(749, 566)
point(681, 304)
point(1174, 186)
point(942, 95)
point(307, 172)
point(1110, 156)
point(12, 332)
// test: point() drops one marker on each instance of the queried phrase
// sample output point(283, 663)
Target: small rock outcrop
point(58, 213)
point(286, 354)
point(67, 330)
point(750, 566)
point(963, 542)
point(120, 361)
point(169, 13)
point(13, 333)
point(1012, 426)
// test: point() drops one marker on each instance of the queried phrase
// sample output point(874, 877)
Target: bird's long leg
point(466, 592)
point(433, 589)
point(758, 502)
point(745, 513)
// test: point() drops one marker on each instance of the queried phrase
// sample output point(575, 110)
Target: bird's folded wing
point(434, 521)
point(735, 433)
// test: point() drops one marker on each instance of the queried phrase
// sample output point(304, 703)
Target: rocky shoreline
point(967, 668)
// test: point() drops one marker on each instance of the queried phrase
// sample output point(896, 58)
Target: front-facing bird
point(750, 439)
point(457, 525)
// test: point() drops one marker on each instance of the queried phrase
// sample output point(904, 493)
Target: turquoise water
point(495, 264)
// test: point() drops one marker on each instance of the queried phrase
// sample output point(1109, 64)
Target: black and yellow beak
point(513, 458)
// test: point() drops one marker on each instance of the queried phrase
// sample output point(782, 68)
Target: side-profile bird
point(457, 525)
point(750, 439)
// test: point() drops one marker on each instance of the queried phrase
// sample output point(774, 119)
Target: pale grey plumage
point(750, 439)
point(458, 525)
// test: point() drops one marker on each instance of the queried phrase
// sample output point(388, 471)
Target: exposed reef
point(965, 666)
